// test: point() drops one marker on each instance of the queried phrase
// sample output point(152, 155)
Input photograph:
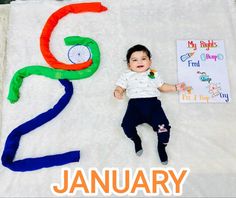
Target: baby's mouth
point(140, 66)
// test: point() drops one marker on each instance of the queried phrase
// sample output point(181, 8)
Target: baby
point(143, 86)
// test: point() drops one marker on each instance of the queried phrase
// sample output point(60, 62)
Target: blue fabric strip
point(13, 140)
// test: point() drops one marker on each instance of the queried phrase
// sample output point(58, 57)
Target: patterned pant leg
point(160, 123)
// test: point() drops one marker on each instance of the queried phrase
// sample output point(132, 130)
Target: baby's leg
point(160, 124)
point(131, 132)
point(129, 123)
point(163, 139)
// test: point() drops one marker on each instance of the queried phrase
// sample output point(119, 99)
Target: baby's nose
point(140, 61)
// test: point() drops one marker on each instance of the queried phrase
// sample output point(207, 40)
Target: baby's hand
point(118, 93)
point(180, 86)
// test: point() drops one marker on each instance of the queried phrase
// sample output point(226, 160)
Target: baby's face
point(139, 62)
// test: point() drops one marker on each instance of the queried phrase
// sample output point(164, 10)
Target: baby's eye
point(134, 60)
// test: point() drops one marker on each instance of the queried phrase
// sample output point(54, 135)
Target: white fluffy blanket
point(202, 136)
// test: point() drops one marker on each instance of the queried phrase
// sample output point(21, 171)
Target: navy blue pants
point(146, 110)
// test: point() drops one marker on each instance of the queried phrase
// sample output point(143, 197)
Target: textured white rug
point(202, 136)
point(4, 12)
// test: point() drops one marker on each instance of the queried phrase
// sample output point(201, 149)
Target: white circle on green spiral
point(79, 54)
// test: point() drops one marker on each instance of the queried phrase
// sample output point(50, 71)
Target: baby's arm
point(171, 88)
point(119, 92)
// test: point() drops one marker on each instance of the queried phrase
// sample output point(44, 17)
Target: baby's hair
point(137, 48)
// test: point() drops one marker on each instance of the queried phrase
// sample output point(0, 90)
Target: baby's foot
point(137, 145)
point(164, 163)
point(138, 148)
point(139, 153)
point(162, 153)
